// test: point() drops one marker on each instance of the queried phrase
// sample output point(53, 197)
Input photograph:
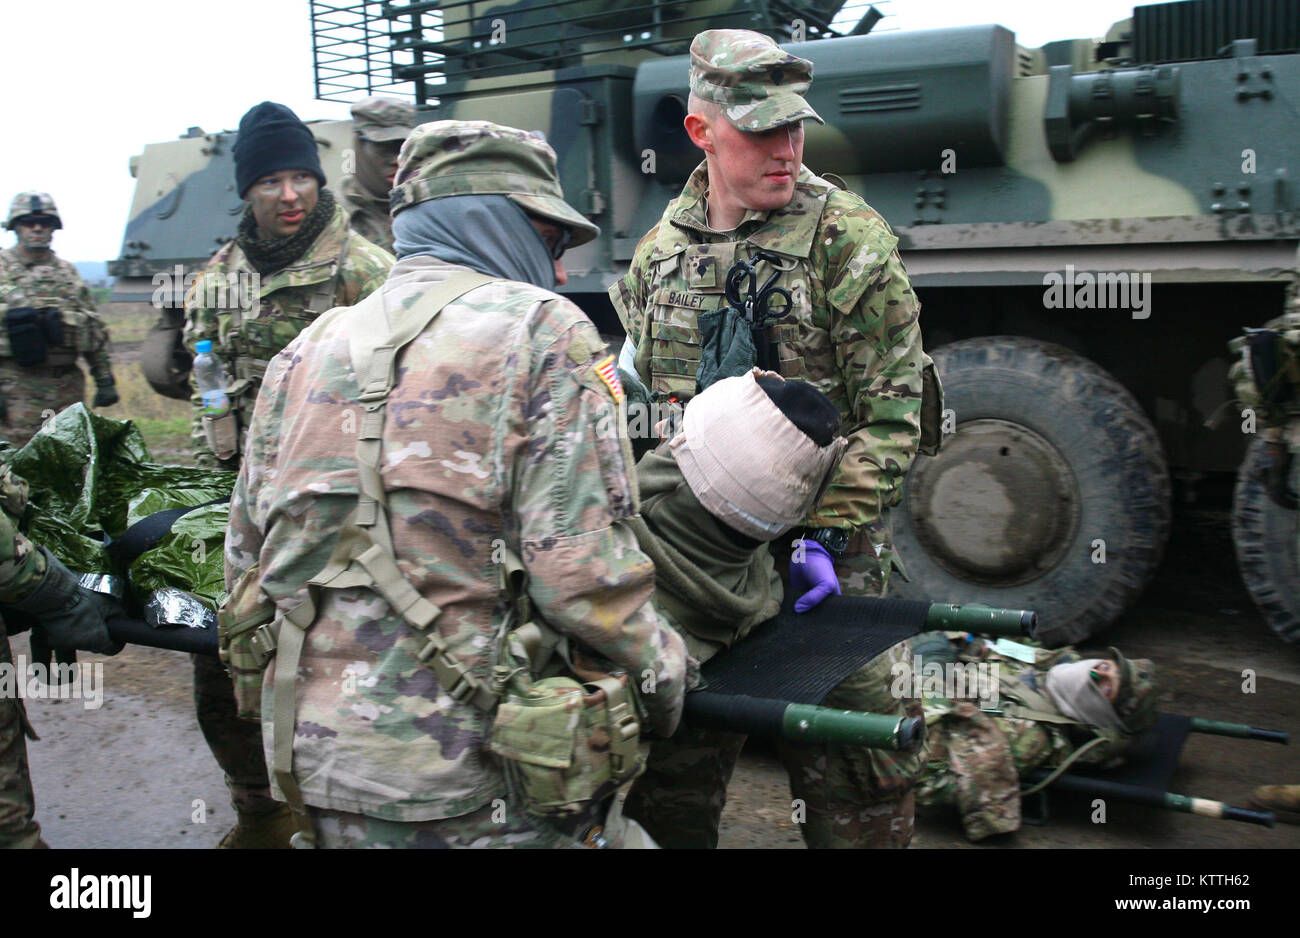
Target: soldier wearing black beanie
point(272, 138)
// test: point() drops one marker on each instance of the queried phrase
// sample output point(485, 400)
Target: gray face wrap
point(1079, 697)
point(487, 233)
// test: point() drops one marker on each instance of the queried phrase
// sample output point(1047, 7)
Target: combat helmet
point(32, 203)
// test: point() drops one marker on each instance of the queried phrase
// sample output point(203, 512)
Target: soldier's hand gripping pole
point(761, 716)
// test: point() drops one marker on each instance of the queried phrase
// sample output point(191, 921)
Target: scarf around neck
point(267, 255)
point(704, 581)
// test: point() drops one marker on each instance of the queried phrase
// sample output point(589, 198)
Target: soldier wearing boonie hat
point(496, 446)
point(379, 125)
point(850, 328)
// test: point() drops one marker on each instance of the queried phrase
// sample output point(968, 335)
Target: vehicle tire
point(1264, 536)
point(1051, 495)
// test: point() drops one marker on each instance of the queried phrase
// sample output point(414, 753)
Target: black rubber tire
point(1264, 536)
point(1112, 449)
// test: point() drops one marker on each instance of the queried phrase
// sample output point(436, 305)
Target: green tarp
point(91, 477)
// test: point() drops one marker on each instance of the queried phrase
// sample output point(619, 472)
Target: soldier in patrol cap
point(499, 441)
point(849, 327)
point(379, 125)
point(293, 258)
point(49, 322)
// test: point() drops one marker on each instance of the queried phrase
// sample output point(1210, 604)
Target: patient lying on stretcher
point(1024, 708)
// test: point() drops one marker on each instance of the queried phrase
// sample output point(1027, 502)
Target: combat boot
point(1282, 800)
point(269, 830)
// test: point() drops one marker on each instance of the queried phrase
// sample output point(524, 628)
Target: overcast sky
point(87, 83)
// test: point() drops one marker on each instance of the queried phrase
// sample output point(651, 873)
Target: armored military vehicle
point(1087, 224)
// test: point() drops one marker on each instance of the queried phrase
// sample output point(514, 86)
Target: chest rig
point(688, 277)
point(262, 322)
point(46, 286)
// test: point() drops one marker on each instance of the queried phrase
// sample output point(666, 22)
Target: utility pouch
point(27, 335)
point(52, 326)
point(568, 743)
point(246, 633)
point(931, 410)
point(222, 434)
point(1270, 363)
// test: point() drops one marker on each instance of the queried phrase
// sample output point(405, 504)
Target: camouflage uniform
point(974, 760)
point(854, 334)
point(492, 440)
point(340, 268)
point(29, 393)
point(376, 119)
point(22, 567)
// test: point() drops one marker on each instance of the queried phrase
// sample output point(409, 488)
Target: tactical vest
point(49, 285)
point(688, 279)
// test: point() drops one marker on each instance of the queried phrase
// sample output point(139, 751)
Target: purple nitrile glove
point(812, 574)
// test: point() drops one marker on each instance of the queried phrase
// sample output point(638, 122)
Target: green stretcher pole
point(1239, 730)
point(762, 716)
point(983, 620)
point(1205, 807)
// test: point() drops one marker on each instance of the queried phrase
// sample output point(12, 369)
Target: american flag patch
point(608, 372)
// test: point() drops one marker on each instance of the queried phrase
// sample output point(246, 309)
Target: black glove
point(1277, 476)
point(105, 394)
point(70, 616)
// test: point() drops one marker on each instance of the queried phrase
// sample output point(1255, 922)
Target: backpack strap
point(364, 554)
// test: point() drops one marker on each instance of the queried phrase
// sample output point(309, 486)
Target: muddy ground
point(136, 772)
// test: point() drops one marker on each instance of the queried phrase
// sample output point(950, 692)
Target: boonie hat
point(446, 158)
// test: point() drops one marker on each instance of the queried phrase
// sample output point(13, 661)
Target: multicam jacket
point(250, 318)
point(367, 214)
point(853, 333)
point(501, 433)
point(26, 283)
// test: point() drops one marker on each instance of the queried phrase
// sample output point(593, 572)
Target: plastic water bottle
point(210, 375)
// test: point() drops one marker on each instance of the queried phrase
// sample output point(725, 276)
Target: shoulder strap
point(364, 554)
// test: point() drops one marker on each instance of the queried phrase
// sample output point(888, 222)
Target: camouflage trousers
point(28, 396)
point(18, 827)
point(500, 824)
point(236, 744)
point(969, 766)
point(842, 796)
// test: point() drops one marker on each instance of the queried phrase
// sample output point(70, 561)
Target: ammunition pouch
point(246, 635)
point(566, 743)
point(32, 330)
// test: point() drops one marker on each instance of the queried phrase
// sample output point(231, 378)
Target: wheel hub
point(998, 506)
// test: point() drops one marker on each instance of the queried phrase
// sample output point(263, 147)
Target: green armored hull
point(1087, 225)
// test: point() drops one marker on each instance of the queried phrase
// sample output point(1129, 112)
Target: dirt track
point(129, 774)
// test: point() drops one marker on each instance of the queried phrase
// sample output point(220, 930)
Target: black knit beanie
point(272, 138)
point(806, 407)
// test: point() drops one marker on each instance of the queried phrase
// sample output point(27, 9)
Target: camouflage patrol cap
point(758, 85)
point(446, 158)
point(32, 203)
point(1135, 702)
point(379, 119)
